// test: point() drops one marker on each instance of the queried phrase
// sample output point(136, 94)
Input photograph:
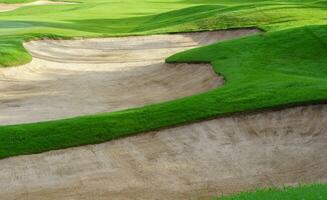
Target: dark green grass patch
point(281, 68)
point(309, 192)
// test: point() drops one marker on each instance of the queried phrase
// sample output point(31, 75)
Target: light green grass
point(15, 1)
point(286, 67)
point(309, 192)
point(102, 18)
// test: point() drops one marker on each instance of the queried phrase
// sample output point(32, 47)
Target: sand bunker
point(221, 156)
point(215, 157)
point(79, 77)
point(10, 7)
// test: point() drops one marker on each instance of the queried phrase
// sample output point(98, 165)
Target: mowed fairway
point(4, 6)
point(163, 99)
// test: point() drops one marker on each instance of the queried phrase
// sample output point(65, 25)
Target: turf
point(15, 1)
point(308, 192)
point(287, 67)
point(284, 67)
point(102, 18)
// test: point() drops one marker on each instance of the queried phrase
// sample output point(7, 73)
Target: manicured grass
point(16, 1)
point(309, 192)
point(287, 67)
point(102, 18)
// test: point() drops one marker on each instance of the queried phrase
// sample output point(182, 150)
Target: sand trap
point(79, 77)
point(10, 7)
point(215, 157)
point(221, 156)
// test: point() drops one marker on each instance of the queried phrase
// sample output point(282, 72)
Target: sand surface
point(214, 157)
point(69, 78)
point(211, 158)
point(9, 7)
point(220, 156)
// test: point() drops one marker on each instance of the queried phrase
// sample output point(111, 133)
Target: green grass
point(309, 192)
point(15, 1)
point(103, 18)
point(284, 67)
point(287, 67)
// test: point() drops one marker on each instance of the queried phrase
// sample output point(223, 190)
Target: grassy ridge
point(280, 68)
point(309, 192)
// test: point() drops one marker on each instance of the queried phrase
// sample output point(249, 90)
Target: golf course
point(163, 99)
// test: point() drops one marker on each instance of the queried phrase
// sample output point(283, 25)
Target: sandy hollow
point(199, 160)
point(9, 7)
point(69, 78)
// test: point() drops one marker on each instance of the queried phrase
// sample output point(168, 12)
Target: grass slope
point(287, 67)
point(102, 18)
point(309, 192)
